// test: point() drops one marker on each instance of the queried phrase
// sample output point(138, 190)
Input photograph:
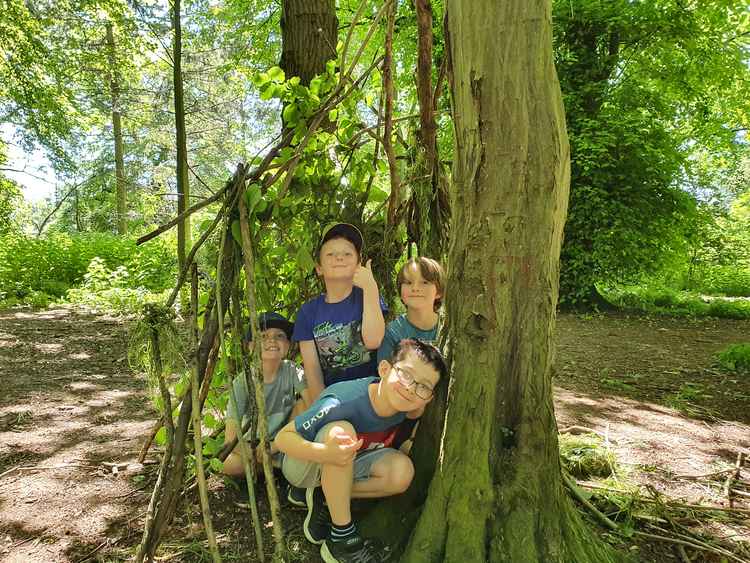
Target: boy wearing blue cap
point(284, 386)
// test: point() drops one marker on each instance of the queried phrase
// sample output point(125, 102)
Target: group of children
point(338, 427)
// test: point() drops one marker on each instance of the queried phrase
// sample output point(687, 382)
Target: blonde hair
point(431, 271)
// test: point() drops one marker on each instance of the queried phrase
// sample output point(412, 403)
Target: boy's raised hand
point(363, 277)
point(342, 448)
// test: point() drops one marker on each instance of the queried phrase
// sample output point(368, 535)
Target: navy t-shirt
point(350, 401)
point(336, 329)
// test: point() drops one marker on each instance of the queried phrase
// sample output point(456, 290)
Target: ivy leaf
point(333, 114)
point(305, 259)
point(252, 197)
point(276, 74)
point(236, 233)
point(216, 465)
point(291, 115)
point(161, 436)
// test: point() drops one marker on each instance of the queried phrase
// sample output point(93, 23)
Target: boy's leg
point(337, 480)
point(390, 473)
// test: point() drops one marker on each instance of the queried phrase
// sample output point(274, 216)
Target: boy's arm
point(373, 323)
point(340, 451)
point(313, 372)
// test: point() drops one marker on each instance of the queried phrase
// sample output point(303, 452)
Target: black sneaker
point(355, 550)
point(317, 524)
point(296, 496)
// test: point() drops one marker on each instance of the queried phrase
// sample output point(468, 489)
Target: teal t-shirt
point(401, 328)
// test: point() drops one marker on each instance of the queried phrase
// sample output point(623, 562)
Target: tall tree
point(183, 186)
point(114, 89)
point(499, 494)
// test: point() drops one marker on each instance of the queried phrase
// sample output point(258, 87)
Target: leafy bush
point(735, 358)
point(125, 301)
point(723, 280)
point(666, 301)
point(586, 455)
point(51, 265)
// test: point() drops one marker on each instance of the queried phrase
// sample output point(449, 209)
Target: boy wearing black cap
point(339, 330)
point(283, 382)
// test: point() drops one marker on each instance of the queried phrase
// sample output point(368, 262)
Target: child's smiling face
point(274, 344)
point(409, 383)
point(338, 259)
point(417, 292)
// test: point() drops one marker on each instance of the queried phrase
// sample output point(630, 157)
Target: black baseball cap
point(270, 319)
point(342, 230)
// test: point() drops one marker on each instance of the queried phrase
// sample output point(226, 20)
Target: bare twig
point(189, 211)
point(197, 421)
point(394, 198)
point(254, 366)
point(734, 476)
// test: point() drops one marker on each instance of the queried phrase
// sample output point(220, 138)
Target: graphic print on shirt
point(340, 346)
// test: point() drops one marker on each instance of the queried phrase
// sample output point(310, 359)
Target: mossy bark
point(497, 494)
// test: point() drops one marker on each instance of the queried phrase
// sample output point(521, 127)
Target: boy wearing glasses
point(284, 390)
point(346, 442)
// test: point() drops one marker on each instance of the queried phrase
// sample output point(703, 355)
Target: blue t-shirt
point(400, 328)
point(336, 329)
point(350, 401)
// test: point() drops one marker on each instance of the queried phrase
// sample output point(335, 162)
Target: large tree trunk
point(309, 31)
point(498, 494)
point(114, 89)
point(183, 187)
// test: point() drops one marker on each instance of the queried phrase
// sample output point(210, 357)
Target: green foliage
point(736, 358)
point(638, 111)
point(10, 200)
point(660, 300)
point(99, 261)
point(586, 455)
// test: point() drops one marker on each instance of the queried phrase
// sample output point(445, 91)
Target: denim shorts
point(305, 474)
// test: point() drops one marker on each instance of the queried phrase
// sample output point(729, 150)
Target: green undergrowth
point(735, 358)
point(669, 302)
point(586, 455)
point(96, 270)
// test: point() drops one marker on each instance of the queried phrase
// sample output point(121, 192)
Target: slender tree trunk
point(114, 89)
point(498, 494)
point(183, 187)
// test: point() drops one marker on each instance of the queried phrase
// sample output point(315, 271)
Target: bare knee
point(340, 428)
point(400, 474)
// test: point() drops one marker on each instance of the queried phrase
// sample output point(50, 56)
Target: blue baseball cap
point(270, 319)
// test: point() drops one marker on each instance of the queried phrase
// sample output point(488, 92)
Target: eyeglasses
point(268, 336)
point(420, 389)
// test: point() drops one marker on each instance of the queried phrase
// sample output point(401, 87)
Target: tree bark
point(498, 494)
point(309, 31)
point(114, 89)
point(183, 186)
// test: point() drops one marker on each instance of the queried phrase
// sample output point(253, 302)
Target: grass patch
point(586, 455)
point(669, 302)
point(735, 358)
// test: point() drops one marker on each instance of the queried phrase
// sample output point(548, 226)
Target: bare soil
point(73, 415)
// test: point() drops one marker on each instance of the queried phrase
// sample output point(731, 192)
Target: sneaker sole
point(326, 555)
point(305, 527)
point(297, 503)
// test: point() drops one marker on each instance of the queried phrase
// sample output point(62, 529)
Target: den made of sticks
point(540, 208)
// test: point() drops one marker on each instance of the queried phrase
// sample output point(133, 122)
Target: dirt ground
point(73, 415)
